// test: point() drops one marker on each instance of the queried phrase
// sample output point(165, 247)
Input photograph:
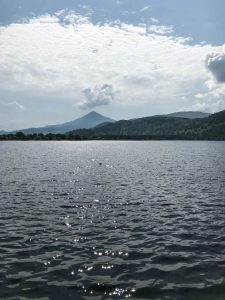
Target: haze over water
point(110, 220)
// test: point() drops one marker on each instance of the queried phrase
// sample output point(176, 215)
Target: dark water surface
point(110, 220)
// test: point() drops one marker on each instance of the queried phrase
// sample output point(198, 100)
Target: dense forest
point(163, 127)
point(20, 136)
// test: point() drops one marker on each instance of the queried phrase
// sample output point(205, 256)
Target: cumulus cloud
point(98, 96)
point(215, 63)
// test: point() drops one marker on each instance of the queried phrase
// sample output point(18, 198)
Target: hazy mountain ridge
point(189, 114)
point(3, 132)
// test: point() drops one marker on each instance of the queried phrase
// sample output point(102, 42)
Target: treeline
point(20, 136)
point(162, 128)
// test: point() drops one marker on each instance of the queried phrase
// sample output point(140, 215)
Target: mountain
point(161, 127)
point(3, 132)
point(88, 121)
point(189, 114)
point(148, 128)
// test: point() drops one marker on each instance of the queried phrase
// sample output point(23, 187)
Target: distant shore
point(20, 136)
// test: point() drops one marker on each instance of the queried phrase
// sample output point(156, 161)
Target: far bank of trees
point(20, 136)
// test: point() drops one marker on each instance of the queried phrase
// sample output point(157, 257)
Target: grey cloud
point(137, 81)
point(215, 63)
point(98, 96)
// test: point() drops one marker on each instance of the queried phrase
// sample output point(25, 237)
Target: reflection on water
point(110, 220)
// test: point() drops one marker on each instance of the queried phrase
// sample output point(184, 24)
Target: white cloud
point(154, 20)
point(161, 29)
point(44, 19)
point(200, 96)
point(55, 58)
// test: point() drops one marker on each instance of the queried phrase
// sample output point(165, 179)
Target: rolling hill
point(189, 114)
point(162, 127)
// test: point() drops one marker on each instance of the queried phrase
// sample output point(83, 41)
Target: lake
point(112, 220)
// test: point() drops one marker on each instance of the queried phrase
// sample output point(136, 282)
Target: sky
point(60, 59)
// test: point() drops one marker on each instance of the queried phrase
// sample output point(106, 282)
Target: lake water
point(110, 220)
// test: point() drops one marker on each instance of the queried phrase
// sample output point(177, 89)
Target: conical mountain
point(90, 120)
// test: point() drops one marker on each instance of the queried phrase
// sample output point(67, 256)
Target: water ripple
point(112, 220)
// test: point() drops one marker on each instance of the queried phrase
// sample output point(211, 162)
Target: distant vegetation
point(20, 136)
point(150, 128)
point(162, 127)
